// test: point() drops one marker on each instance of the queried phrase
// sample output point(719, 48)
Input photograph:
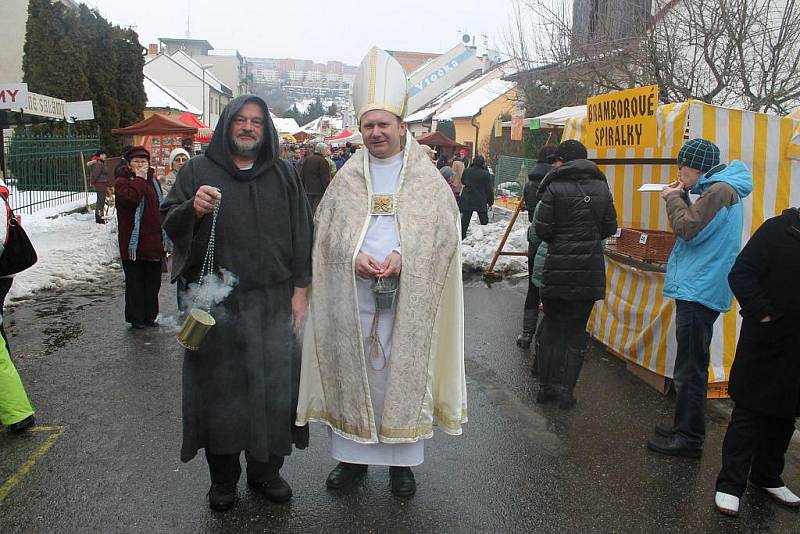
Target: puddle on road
point(55, 314)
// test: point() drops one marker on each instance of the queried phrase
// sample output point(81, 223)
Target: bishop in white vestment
point(382, 378)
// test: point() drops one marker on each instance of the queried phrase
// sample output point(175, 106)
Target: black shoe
point(344, 475)
point(403, 483)
point(529, 320)
point(664, 430)
point(221, 497)
point(22, 426)
point(566, 400)
point(276, 489)
point(151, 324)
point(673, 446)
point(546, 394)
point(136, 325)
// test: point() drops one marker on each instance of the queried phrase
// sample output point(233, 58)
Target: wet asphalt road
point(519, 467)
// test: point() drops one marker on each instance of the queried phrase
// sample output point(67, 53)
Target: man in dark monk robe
point(240, 387)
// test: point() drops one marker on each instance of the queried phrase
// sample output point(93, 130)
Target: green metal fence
point(511, 174)
point(44, 170)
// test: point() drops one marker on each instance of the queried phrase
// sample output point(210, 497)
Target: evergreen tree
point(129, 54)
point(101, 70)
point(81, 56)
point(333, 109)
point(314, 111)
point(54, 61)
point(294, 113)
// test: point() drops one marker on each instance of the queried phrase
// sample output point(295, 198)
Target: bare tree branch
point(728, 52)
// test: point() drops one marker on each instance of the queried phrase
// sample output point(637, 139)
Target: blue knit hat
point(699, 154)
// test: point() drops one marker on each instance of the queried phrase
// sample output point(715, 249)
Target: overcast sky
point(313, 29)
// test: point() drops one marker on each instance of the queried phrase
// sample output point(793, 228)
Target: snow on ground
point(71, 248)
point(481, 243)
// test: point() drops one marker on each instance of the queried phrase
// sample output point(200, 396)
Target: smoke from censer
point(211, 290)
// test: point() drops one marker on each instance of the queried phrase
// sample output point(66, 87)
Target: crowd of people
point(355, 225)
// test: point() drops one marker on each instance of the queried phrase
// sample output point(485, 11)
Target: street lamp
point(203, 91)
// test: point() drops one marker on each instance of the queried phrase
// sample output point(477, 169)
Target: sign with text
point(13, 95)
point(623, 119)
point(44, 106)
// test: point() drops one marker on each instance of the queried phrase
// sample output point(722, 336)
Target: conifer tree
point(81, 56)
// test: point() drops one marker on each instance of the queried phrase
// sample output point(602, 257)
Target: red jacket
point(127, 193)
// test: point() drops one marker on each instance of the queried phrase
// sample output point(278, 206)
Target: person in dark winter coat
point(142, 242)
point(477, 194)
point(765, 377)
point(100, 180)
point(316, 175)
point(240, 387)
point(530, 195)
point(575, 213)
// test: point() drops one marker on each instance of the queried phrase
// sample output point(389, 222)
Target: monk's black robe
point(240, 388)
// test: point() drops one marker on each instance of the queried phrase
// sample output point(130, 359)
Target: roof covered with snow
point(160, 97)
point(427, 112)
point(285, 126)
point(183, 59)
point(318, 125)
point(471, 104)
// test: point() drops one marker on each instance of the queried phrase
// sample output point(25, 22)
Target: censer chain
point(208, 261)
point(376, 351)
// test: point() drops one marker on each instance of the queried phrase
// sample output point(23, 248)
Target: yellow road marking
point(51, 428)
point(16, 478)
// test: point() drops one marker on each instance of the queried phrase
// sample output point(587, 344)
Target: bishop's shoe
point(344, 475)
point(403, 483)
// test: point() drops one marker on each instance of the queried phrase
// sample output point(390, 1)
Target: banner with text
point(623, 119)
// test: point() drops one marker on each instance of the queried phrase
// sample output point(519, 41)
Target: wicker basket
point(646, 245)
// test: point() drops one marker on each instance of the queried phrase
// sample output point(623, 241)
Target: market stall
point(440, 142)
point(354, 138)
point(204, 132)
point(160, 135)
point(635, 322)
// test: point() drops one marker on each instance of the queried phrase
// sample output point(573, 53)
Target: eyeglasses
point(241, 121)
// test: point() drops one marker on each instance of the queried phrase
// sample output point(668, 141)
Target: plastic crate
point(646, 245)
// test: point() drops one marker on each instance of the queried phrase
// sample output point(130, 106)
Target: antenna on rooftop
point(188, 8)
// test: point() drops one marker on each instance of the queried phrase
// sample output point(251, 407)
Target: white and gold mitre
point(380, 83)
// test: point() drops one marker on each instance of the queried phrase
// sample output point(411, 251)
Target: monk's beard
point(245, 147)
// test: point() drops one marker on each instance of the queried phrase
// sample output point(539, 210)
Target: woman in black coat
point(477, 195)
point(531, 196)
point(575, 213)
point(765, 377)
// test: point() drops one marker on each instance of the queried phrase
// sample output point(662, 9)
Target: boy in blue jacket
point(708, 232)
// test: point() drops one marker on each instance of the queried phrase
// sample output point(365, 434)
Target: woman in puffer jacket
point(575, 213)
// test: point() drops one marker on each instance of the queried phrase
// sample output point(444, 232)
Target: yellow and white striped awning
point(635, 321)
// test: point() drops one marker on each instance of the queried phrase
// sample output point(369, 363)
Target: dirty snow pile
point(71, 248)
point(481, 243)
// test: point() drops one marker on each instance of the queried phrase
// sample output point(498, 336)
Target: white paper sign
point(652, 188)
point(643, 239)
